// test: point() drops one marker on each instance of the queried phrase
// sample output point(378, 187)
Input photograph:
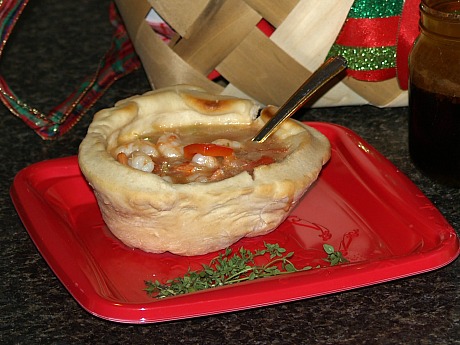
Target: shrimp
point(140, 145)
point(170, 145)
point(141, 161)
point(205, 161)
point(127, 149)
point(236, 145)
point(149, 148)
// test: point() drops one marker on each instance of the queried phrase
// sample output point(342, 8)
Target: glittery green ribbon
point(366, 59)
point(375, 8)
point(369, 60)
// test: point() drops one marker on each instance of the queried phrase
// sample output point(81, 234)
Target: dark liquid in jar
point(434, 134)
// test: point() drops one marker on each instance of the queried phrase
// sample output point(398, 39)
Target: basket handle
point(117, 62)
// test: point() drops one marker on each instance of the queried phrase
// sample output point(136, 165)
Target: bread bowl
point(145, 211)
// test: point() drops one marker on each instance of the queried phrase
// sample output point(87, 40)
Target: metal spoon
point(317, 80)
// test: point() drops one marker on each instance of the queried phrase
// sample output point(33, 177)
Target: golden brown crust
point(144, 211)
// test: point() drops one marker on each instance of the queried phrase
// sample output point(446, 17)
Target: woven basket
point(222, 46)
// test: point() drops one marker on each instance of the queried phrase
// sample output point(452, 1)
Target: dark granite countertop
point(57, 43)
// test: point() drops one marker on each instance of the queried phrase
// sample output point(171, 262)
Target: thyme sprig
point(227, 269)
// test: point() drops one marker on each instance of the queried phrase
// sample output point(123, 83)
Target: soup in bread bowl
point(175, 169)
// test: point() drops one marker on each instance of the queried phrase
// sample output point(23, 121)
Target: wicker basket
point(221, 46)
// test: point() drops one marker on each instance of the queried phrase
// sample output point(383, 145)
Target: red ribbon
point(373, 75)
point(408, 32)
point(397, 31)
point(365, 32)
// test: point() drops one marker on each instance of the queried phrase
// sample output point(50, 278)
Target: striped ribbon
point(118, 61)
point(371, 39)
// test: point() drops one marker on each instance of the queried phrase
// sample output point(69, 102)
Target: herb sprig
point(227, 269)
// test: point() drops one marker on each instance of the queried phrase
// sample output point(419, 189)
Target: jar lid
point(441, 17)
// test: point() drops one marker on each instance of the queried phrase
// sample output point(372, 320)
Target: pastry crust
point(144, 211)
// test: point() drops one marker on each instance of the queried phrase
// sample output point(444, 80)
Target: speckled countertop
point(57, 43)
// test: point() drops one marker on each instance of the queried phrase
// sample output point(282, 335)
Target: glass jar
point(434, 92)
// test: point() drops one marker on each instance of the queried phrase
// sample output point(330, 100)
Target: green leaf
point(328, 248)
point(290, 267)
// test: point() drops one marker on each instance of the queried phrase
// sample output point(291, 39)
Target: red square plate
point(361, 204)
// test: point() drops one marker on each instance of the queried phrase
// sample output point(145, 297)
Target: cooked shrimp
point(141, 161)
point(205, 161)
point(139, 145)
point(127, 149)
point(170, 145)
point(228, 143)
point(148, 148)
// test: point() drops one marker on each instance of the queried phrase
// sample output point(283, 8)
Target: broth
point(190, 155)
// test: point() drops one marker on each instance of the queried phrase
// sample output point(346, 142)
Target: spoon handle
point(317, 80)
